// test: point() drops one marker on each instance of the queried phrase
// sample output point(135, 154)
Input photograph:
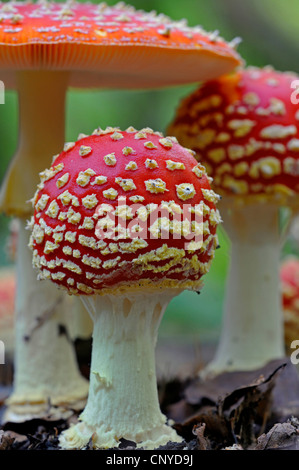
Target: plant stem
point(252, 330)
point(123, 399)
point(46, 373)
point(46, 370)
point(41, 135)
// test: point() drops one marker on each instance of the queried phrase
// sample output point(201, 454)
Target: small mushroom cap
point(110, 46)
point(124, 210)
point(289, 280)
point(245, 128)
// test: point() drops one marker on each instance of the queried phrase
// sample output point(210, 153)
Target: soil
point(257, 410)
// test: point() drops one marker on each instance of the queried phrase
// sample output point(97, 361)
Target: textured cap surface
point(108, 46)
point(124, 209)
point(244, 127)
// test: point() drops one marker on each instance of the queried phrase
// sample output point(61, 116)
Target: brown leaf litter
point(256, 410)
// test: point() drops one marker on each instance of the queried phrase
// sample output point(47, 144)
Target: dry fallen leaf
point(6, 440)
point(281, 436)
point(235, 417)
point(202, 442)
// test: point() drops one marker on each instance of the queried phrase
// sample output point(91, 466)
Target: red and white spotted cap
point(244, 127)
point(110, 46)
point(123, 210)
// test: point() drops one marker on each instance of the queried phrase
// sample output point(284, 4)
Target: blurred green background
point(269, 32)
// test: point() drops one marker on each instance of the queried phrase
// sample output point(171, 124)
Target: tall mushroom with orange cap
point(44, 48)
point(136, 223)
point(245, 129)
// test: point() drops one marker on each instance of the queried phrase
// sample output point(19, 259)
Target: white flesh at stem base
point(47, 380)
point(123, 398)
point(252, 329)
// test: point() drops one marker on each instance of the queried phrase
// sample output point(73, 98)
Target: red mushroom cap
point(289, 279)
point(244, 127)
point(124, 209)
point(114, 46)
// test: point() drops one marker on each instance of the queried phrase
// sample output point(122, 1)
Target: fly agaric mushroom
point(46, 47)
point(245, 129)
point(132, 226)
point(289, 280)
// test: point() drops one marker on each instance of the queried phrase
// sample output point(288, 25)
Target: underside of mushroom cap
point(108, 46)
point(124, 210)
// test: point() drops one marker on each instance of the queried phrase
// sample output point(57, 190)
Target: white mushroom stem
point(123, 399)
point(47, 379)
point(252, 330)
point(41, 135)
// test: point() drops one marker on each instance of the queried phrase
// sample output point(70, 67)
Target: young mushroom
point(244, 127)
point(46, 47)
point(137, 224)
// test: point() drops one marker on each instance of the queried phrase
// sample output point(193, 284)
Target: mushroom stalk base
point(123, 399)
point(252, 330)
point(47, 380)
